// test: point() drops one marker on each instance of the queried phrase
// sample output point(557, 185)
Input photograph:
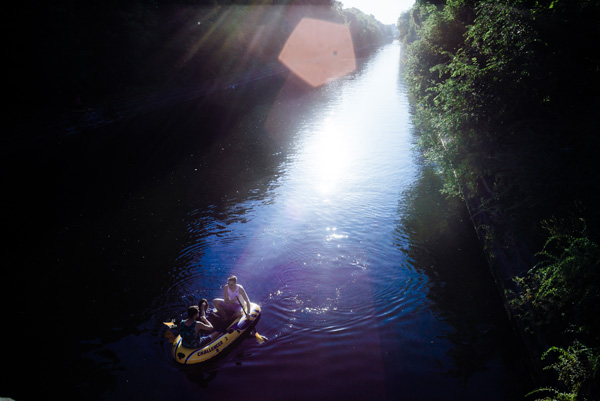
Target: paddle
point(259, 338)
point(168, 334)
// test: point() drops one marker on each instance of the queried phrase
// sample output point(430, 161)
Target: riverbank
point(508, 259)
point(510, 126)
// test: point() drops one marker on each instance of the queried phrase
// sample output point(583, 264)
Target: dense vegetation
point(86, 53)
point(505, 97)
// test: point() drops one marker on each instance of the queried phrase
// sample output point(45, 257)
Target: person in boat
point(203, 306)
point(231, 305)
point(190, 329)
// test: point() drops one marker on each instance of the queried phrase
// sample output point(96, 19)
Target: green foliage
point(366, 31)
point(406, 30)
point(577, 368)
point(436, 148)
point(410, 22)
point(490, 73)
point(562, 292)
point(561, 296)
point(504, 107)
point(474, 72)
point(443, 94)
point(493, 65)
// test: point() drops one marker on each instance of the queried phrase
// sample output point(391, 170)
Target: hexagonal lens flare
point(319, 51)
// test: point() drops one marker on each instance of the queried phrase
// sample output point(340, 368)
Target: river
point(373, 286)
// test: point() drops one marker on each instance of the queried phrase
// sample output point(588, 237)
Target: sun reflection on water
point(334, 235)
point(331, 153)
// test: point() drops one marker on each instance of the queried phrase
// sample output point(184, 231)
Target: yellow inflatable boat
point(229, 335)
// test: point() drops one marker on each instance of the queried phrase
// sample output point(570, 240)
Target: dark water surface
point(372, 285)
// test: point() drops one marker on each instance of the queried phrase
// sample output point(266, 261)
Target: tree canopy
point(507, 94)
point(88, 52)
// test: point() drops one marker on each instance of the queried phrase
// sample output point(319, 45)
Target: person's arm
point(226, 299)
point(243, 293)
point(204, 325)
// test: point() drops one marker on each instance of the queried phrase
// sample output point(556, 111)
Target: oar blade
point(170, 336)
point(259, 338)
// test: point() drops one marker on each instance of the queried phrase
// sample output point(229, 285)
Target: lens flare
point(319, 51)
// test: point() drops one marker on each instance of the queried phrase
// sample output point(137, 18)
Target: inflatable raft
point(229, 335)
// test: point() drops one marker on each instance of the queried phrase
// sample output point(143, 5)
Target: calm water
point(372, 285)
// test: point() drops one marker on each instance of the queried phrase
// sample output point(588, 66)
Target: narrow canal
point(373, 286)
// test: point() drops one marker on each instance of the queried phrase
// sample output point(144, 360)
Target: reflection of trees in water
point(94, 374)
point(442, 244)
